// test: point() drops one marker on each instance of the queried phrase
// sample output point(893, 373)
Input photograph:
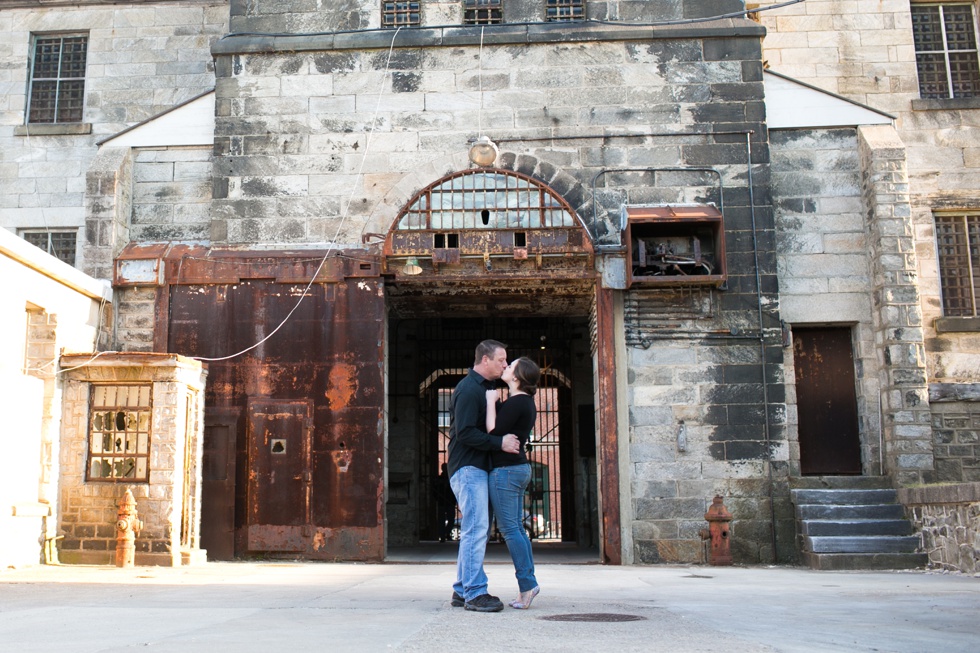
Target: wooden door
point(826, 401)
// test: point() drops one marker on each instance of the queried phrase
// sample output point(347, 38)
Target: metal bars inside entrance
point(446, 354)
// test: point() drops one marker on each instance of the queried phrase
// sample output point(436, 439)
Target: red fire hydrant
point(718, 519)
point(128, 526)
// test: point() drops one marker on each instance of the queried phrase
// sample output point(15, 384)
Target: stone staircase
point(853, 523)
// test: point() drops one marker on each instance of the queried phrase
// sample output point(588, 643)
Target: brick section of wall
point(956, 429)
point(906, 421)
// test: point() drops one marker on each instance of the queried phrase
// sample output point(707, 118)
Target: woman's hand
point(492, 397)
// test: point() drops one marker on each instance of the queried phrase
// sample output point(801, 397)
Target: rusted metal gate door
point(826, 401)
point(447, 347)
point(218, 484)
point(309, 471)
point(279, 475)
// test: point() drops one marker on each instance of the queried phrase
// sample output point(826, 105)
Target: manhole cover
point(593, 616)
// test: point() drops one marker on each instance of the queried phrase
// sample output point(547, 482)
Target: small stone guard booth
point(131, 421)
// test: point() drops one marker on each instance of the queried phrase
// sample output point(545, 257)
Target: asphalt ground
point(404, 606)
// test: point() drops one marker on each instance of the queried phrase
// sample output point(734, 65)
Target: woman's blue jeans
point(507, 486)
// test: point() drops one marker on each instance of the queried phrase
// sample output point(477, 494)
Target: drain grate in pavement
point(593, 616)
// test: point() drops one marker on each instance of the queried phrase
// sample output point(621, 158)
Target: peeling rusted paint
point(342, 385)
point(311, 479)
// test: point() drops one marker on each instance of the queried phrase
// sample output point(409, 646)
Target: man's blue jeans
point(473, 496)
point(507, 486)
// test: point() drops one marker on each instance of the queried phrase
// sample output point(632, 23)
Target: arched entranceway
point(490, 253)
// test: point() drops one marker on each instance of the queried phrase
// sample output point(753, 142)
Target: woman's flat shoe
point(520, 604)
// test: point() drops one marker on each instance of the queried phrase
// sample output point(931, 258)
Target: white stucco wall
point(30, 402)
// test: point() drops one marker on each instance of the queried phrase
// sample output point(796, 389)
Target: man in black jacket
point(469, 467)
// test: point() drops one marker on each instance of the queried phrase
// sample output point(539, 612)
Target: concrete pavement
point(283, 606)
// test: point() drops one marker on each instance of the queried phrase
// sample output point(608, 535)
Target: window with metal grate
point(958, 249)
point(945, 37)
point(60, 244)
point(483, 12)
point(57, 83)
point(401, 14)
point(565, 10)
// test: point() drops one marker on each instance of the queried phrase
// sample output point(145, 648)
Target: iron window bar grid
point(483, 12)
point(556, 10)
point(57, 85)
point(401, 14)
point(958, 245)
point(946, 54)
point(60, 244)
point(486, 200)
point(120, 425)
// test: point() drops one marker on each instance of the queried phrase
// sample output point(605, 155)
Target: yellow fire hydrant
point(128, 526)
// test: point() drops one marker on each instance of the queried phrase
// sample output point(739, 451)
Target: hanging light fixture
point(483, 152)
point(412, 267)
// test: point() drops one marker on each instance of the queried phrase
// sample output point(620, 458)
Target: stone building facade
point(331, 125)
point(867, 52)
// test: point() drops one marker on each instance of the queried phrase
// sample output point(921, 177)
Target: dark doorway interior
point(428, 357)
point(826, 401)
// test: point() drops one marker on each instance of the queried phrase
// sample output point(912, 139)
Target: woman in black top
point(510, 473)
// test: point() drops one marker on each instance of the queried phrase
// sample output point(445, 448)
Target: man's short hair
point(487, 348)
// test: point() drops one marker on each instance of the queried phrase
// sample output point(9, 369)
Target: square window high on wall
point(57, 81)
point(958, 249)
point(401, 14)
point(483, 12)
point(565, 9)
point(946, 55)
point(60, 244)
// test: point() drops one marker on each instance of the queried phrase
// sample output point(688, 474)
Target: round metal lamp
point(483, 152)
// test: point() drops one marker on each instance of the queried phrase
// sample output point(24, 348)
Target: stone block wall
point(171, 194)
point(144, 58)
point(697, 429)
point(864, 51)
point(897, 314)
point(824, 267)
point(296, 129)
point(292, 16)
point(856, 48)
point(135, 318)
point(87, 509)
point(956, 429)
point(948, 518)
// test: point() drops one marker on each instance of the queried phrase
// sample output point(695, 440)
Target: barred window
point(483, 12)
point(119, 433)
point(57, 79)
point(946, 58)
point(958, 244)
point(60, 244)
point(565, 10)
point(401, 14)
